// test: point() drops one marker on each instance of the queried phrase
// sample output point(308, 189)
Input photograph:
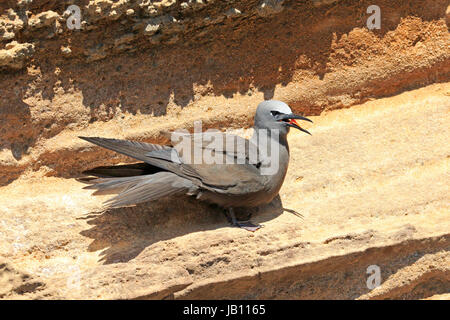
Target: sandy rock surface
point(370, 187)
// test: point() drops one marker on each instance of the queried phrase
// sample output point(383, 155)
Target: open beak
point(290, 120)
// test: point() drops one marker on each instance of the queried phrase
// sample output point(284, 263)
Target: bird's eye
point(275, 113)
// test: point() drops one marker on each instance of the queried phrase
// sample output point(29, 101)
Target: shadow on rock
point(124, 233)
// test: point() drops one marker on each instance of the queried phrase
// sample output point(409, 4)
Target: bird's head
point(273, 114)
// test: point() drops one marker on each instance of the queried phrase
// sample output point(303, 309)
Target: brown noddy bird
point(240, 174)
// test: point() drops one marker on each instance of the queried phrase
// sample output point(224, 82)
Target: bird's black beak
point(290, 121)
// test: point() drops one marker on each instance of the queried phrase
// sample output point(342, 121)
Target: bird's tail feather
point(125, 170)
point(114, 185)
point(138, 189)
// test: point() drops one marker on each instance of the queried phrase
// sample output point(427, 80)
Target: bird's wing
point(163, 157)
point(220, 173)
point(137, 150)
point(225, 161)
point(223, 178)
point(215, 145)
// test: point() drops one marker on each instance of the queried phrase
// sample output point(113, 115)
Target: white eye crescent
point(275, 113)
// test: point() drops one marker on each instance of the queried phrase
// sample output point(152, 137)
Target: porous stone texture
point(10, 23)
point(15, 55)
point(369, 187)
point(42, 20)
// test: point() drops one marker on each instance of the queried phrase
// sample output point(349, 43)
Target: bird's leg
point(225, 213)
point(247, 225)
point(249, 216)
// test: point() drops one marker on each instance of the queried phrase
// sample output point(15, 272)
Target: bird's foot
point(247, 225)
